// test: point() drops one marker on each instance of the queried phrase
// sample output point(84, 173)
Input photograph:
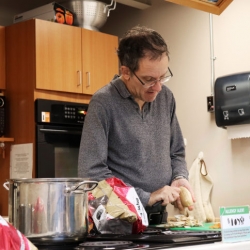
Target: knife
point(157, 203)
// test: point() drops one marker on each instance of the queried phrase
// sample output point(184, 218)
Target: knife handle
point(157, 203)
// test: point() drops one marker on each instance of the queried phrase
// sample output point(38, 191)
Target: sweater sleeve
point(143, 195)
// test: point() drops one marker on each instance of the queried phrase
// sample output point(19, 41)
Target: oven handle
point(60, 131)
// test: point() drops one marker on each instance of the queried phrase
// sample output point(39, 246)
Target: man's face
point(148, 72)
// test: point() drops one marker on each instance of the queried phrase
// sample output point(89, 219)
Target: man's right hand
point(166, 195)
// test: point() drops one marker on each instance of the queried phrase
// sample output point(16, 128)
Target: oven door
point(57, 149)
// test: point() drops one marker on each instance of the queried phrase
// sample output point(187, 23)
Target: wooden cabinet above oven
point(64, 58)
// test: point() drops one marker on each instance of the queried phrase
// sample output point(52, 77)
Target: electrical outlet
point(210, 104)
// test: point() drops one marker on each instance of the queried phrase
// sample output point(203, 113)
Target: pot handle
point(75, 188)
point(6, 185)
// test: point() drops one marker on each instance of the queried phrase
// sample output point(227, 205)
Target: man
point(131, 130)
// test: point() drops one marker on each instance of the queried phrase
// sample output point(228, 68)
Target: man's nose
point(157, 86)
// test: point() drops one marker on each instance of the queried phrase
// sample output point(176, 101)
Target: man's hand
point(166, 195)
point(178, 183)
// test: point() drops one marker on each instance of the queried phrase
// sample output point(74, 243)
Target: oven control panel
point(72, 112)
point(59, 112)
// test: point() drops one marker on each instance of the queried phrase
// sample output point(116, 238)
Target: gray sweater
point(143, 148)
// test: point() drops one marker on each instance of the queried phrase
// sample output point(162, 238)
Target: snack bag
point(115, 207)
point(13, 239)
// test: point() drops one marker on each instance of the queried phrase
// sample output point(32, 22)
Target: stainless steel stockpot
point(50, 209)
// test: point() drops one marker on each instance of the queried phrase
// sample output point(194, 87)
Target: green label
point(224, 211)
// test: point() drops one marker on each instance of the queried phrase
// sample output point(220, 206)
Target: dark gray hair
point(139, 42)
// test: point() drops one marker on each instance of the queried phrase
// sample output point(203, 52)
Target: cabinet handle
point(88, 79)
point(60, 131)
point(79, 72)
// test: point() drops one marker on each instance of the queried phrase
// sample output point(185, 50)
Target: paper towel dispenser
point(232, 99)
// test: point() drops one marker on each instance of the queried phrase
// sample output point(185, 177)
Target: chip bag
point(13, 239)
point(115, 207)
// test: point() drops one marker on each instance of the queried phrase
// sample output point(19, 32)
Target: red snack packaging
point(115, 207)
point(129, 197)
point(11, 238)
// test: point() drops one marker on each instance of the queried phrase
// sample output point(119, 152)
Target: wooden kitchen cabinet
point(204, 5)
point(67, 58)
point(100, 60)
point(2, 58)
point(72, 59)
point(57, 54)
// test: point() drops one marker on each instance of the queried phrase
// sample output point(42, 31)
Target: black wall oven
point(58, 135)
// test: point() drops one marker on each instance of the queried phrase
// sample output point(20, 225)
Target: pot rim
point(29, 180)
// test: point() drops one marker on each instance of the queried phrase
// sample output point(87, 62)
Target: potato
point(186, 198)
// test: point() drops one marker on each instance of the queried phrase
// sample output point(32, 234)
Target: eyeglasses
point(152, 83)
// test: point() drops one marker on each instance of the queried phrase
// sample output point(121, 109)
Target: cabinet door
point(99, 60)
point(58, 57)
point(2, 58)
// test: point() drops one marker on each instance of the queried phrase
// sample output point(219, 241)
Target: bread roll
point(186, 198)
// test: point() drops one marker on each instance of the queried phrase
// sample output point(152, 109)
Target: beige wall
point(187, 32)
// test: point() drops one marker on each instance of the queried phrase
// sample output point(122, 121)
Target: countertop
point(245, 245)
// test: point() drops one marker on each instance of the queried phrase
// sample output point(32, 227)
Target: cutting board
point(205, 227)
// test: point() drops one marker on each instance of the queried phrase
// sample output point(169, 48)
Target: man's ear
point(125, 72)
